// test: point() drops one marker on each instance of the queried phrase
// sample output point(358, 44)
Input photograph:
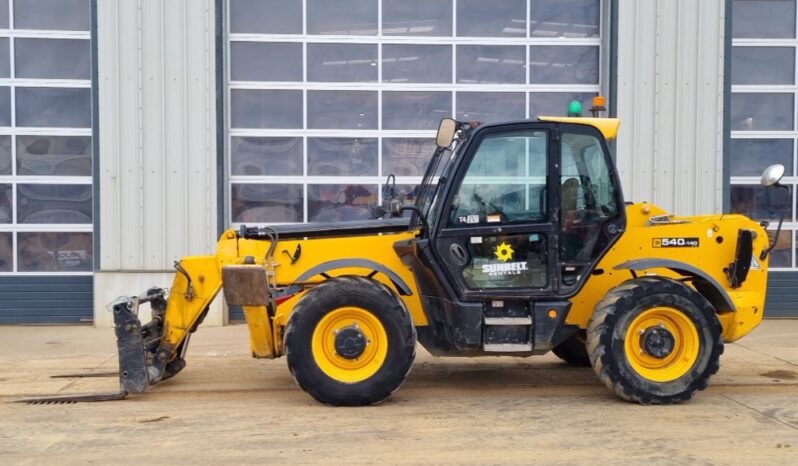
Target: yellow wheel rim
point(679, 360)
point(340, 368)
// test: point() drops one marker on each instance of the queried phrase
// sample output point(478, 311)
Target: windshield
point(435, 176)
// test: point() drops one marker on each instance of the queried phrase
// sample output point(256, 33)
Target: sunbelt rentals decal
point(503, 252)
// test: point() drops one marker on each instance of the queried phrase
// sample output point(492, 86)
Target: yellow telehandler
point(518, 243)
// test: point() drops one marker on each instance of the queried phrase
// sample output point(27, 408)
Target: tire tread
point(393, 308)
point(609, 309)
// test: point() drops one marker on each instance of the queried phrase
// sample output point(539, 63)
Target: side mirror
point(446, 131)
point(770, 178)
point(772, 175)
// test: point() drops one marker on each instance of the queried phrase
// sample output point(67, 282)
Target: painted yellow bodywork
point(607, 126)
point(266, 333)
point(260, 331)
point(712, 256)
point(186, 306)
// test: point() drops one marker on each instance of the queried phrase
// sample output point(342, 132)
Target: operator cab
point(516, 214)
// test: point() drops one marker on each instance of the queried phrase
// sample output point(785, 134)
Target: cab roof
point(607, 126)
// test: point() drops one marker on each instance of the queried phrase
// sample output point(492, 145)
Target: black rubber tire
point(607, 330)
point(573, 351)
point(367, 294)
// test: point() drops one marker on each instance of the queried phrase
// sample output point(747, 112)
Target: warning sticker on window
point(674, 242)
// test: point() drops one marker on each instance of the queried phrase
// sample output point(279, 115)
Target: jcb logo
point(675, 242)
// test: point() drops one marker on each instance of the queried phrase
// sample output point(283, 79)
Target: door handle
point(459, 254)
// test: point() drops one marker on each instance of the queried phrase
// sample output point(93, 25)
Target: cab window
point(505, 182)
point(587, 196)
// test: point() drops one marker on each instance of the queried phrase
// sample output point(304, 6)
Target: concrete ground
point(226, 408)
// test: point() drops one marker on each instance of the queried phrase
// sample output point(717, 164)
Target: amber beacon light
point(599, 105)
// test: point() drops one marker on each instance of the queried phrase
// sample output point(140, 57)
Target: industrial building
point(133, 132)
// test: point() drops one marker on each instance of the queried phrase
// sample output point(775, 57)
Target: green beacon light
point(575, 109)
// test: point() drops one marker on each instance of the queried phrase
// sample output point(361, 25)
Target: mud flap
point(133, 376)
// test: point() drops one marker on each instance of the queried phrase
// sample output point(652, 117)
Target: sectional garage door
point(38, 300)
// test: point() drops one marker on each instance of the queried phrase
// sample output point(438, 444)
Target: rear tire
point(654, 340)
point(350, 342)
point(573, 351)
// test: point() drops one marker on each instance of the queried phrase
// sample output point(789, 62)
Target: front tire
point(350, 342)
point(654, 340)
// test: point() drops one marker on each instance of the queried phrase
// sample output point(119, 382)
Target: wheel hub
point(657, 342)
point(350, 343)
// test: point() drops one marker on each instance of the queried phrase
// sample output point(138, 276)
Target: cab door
point(497, 233)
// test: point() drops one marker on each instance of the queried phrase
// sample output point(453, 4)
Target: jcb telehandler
point(519, 243)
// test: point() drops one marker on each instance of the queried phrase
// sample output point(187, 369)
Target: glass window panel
point(259, 108)
point(416, 63)
point(5, 155)
point(478, 18)
point(415, 110)
point(5, 68)
point(556, 103)
point(406, 156)
point(62, 15)
point(586, 184)
point(52, 58)
point(761, 203)
point(265, 61)
point(341, 202)
point(54, 155)
point(406, 193)
point(763, 18)
point(267, 203)
point(3, 14)
point(417, 17)
point(763, 65)
point(556, 64)
point(342, 62)
point(488, 107)
point(5, 106)
point(6, 204)
point(749, 157)
point(491, 64)
point(53, 107)
point(342, 17)
point(266, 16)
point(6, 251)
point(54, 252)
point(342, 109)
point(54, 203)
point(564, 18)
point(497, 181)
point(342, 156)
point(761, 111)
point(254, 156)
point(781, 255)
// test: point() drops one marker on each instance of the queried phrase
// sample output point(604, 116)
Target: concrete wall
point(157, 126)
point(670, 101)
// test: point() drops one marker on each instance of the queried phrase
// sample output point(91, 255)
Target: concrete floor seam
point(765, 415)
point(766, 354)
